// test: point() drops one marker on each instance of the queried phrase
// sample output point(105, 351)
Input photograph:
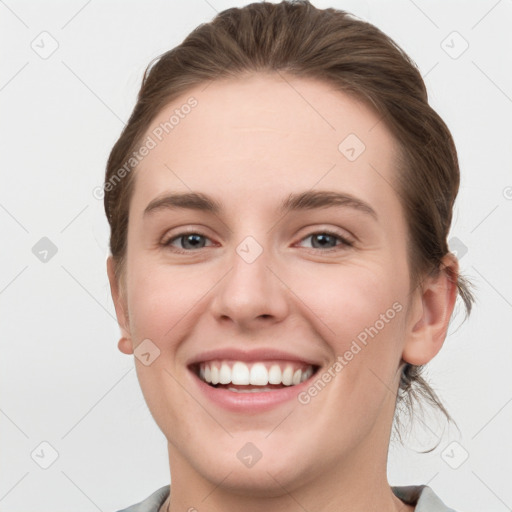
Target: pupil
point(323, 237)
point(194, 239)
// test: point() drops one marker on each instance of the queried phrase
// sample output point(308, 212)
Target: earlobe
point(433, 309)
point(124, 344)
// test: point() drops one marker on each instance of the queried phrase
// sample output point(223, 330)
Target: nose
point(251, 295)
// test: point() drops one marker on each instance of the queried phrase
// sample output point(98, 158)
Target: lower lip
point(250, 402)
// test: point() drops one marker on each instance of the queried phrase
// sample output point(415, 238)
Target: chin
point(264, 477)
point(265, 481)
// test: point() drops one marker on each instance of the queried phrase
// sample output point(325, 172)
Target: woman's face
point(302, 264)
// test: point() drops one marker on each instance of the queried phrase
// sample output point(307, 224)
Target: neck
point(358, 485)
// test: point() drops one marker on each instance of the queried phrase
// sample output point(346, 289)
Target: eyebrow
point(309, 200)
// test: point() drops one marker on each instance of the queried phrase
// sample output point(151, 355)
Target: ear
point(125, 343)
point(432, 309)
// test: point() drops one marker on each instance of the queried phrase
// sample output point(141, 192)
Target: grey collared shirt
point(422, 496)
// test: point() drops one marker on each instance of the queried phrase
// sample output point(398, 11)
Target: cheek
point(349, 299)
point(162, 305)
point(359, 314)
point(161, 300)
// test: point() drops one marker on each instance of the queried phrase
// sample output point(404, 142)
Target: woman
point(279, 204)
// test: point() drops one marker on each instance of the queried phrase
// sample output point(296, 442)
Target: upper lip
point(259, 354)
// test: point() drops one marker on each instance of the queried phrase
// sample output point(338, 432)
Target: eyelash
point(344, 241)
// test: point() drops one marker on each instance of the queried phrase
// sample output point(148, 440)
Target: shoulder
point(152, 503)
point(425, 499)
point(422, 496)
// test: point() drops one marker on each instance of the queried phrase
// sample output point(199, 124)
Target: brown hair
point(355, 57)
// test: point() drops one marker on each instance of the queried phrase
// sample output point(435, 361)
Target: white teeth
point(239, 374)
point(215, 375)
point(288, 376)
point(274, 374)
point(256, 374)
point(225, 374)
point(306, 374)
point(259, 375)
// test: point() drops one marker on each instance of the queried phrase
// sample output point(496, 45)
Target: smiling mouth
point(257, 376)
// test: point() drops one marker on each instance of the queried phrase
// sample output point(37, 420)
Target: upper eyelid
point(311, 229)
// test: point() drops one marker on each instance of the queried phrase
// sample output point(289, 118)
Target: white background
point(63, 380)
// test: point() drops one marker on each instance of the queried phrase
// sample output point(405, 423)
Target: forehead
point(267, 133)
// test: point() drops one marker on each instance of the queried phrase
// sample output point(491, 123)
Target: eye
point(327, 240)
point(187, 242)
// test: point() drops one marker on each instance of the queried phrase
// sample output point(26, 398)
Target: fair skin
point(249, 144)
